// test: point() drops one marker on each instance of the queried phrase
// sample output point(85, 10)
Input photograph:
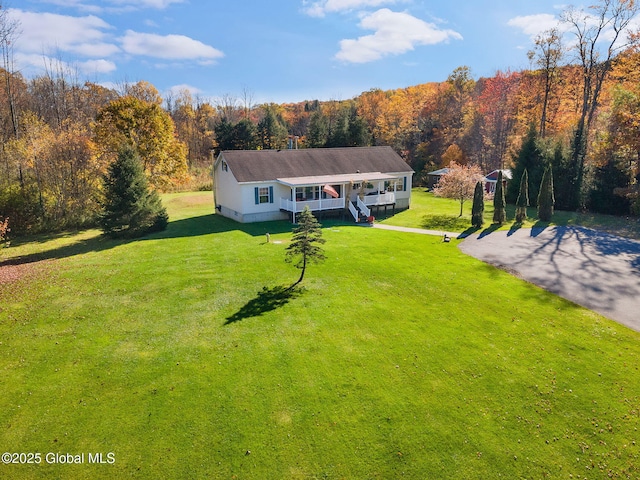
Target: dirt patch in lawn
point(12, 272)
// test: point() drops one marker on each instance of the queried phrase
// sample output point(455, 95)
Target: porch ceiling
point(335, 179)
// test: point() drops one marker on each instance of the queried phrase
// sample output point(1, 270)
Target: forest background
point(577, 108)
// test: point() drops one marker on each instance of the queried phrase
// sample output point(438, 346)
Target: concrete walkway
point(422, 231)
point(594, 269)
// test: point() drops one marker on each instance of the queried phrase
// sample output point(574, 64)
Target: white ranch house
point(264, 185)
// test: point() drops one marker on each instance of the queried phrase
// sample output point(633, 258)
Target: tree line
point(576, 109)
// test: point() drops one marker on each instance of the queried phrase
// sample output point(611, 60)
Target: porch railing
point(354, 212)
point(383, 199)
point(363, 208)
point(314, 205)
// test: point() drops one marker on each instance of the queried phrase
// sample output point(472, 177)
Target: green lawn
point(435, 213)
point(401, 357)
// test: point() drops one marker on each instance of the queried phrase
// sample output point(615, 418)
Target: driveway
point(591, 268)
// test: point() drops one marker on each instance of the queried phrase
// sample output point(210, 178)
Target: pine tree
point(546, 196)
point(130, 208)
point(477, 210)
point(523, 198)
point(499, 203)
point(530, 158)
point(303, 248)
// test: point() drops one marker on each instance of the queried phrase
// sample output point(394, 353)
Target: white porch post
point(294, 200)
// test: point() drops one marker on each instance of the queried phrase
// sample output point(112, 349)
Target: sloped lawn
point(182, 354)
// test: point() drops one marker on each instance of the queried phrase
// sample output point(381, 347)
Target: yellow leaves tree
point(455, 155)
point(55, 176)
point(150, 131)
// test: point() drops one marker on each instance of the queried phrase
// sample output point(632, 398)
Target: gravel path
point(591, 268)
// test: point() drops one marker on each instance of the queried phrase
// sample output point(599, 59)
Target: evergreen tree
point(339, 131)
point(531, 159)
point(318, 132)
point(563, 172)
point(523, 198)
point(546, 197)
point(303, 248)
point(499, 203)
point(272, 133)
point(130, 208)
point(607, 178)
point(359, 135)
point(477, 210)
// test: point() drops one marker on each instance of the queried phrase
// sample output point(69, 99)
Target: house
point(491, 179)
point(434, 177)
point(264, 185)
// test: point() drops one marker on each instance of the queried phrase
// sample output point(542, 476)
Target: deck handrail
point(314, 205)
point(380, 199)
point(354, 212)
point(363, 208)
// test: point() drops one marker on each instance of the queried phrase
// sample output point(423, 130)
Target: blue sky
point(278, 50)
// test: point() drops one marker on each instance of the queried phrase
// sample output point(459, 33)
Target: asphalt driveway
point(591, 268)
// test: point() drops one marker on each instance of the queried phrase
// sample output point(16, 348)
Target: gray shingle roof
point(268, 165)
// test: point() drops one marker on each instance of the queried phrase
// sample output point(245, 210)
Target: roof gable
point(268, 165)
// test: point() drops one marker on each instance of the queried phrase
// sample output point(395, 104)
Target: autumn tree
point(499, 202)
point(477, 209)
point(4, 229)
point(496, 104)
point(454, 154)
point(604, 25)
point(149, 130)
point(130, 208)
point(9, 30)
point(305, 243)
point(548, 54)
point(459, 183)
point(522, 202)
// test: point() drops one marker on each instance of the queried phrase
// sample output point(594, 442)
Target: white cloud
point(395, 33)
point(97, 66)
point(177, 90)
point(161, 4)
point(44, 32)
point(533, 25)
point(122, 5)
point(319, 8)
point(171, 47)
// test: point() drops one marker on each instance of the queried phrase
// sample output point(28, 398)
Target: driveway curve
point(591, 268)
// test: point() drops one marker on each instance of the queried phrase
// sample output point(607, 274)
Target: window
point(225, 167)
point(263, 195)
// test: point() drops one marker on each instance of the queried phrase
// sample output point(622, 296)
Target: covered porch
point(356, 193)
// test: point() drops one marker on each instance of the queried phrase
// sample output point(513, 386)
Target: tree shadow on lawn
point(188, 227)
point(97, 243)
point(268, 299)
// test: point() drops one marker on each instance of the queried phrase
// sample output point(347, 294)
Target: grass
point(436, 213)
point(183, 355)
